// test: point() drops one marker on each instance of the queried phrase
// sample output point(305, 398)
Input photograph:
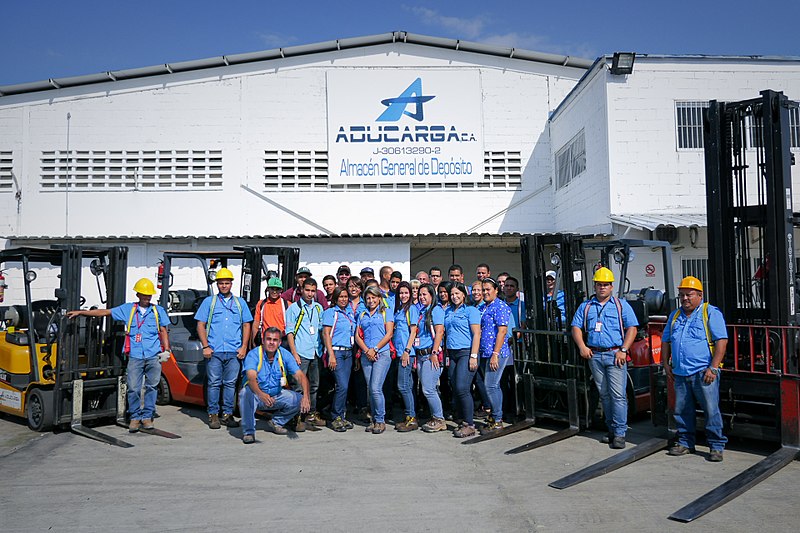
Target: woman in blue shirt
point(463, 329)
point(406, 318)
point(338, 330)
point(430, 333)
point(376, 325)
point(494, 351)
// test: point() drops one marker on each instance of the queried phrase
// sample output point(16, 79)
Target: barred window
point(131, 170)
point(689, 122)
point(571, 160)
point(6, 175)
point(794, 127)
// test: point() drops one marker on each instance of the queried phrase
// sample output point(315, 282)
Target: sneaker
point(347, 424)
point(213, 422)
point(378, 428)
point(315, 419)
point(617, 443)
point(276, 428)
point(228, 420)
point(134, 426)
point(679, 449)
point(715, 456)
point(492, 426)
point(410, 424)
point(464, 431)
point(338, 425)
point(433, 425)
point(147, 423)
point(248, 439)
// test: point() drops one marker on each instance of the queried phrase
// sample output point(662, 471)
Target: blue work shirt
point(457, 326)
point(402, 328)
point(424, 332)
point(389, 299)
point(374, 326)
point(602, 322)
point(143, 323)
point(307, 329)
point(517, 314)
point(688, 342)
point(224, 329)
point(342, 324)
point(495, 315)
point(269, 377)
point(480, 306)
point(356, 311)
point(559, 303)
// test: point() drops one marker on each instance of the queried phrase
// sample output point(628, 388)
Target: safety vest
point(674, 317)
point(211, 312)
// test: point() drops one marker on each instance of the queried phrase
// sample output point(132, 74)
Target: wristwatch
point(623, 349)
point(407, 351)
point(714, 371)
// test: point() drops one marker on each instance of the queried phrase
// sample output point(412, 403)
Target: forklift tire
point(39, 409)
point(163, 395)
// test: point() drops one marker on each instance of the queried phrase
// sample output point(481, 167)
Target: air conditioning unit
point(667, 232)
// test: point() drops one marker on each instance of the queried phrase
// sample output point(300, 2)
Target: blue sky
point(43, 39)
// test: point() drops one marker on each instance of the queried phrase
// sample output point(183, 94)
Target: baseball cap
point(343, 268)
point(304, 270)
point(367, 270)
point(550, 274)
point(274, 282)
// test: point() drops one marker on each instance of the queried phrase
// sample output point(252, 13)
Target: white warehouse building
point(394, 149)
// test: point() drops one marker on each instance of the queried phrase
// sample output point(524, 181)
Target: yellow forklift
point(57, 372)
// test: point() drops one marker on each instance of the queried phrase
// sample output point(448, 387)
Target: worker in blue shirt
point(555, 295)
point(430, 332)
point(304, 336)
point(406, 319)
point(338, 332)
point(610, 327)
point(693, 346)
point(463, 329)
point(223, 327)
point(146, 346)
point(266, 369)
point(375, 328)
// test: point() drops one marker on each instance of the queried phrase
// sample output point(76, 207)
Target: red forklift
point(185, 280)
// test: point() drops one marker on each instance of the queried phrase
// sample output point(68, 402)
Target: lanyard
point(354, 305)
point(140, 323)
point(222, 300)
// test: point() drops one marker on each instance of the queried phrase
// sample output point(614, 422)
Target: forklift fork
point(76, 424)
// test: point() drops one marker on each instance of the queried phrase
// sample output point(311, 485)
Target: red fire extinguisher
point(160, 274)
point(2, 286)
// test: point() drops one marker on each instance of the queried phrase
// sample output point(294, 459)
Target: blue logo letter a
point(397, 106)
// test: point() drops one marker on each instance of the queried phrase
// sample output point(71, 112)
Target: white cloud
point(469, 28)
point(276, 40)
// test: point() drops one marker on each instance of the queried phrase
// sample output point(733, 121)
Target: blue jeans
point(687, 390)
point(139, 371)
point(611, 381)
point(429, 378)
point(405, 384)
point(375, 374)
point(222, 369)
point(286, 407)
point(344, 365)
point(461, 378)
point(491, 379)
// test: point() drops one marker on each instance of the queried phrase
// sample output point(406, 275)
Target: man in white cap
point(553, 295)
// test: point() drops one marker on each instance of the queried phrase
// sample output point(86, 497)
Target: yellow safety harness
point(284, 381)
point(211, 311)
point(674, 318)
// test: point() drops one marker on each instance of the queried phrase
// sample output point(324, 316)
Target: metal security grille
point(571, 160)
point(6, 176)
point(289, 170)
point(794, 127)
point(689, 121)
point(132, 170)
point(697, 267)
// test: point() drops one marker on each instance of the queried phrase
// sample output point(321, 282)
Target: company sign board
point(404, 126)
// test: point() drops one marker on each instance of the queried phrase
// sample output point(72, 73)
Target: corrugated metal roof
point(651, 221)
point(268, 237)
point(306, 49)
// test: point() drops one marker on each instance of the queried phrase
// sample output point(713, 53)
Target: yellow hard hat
point(144, 286)
point(603, 275)
point(224, 273)
point(691, 282)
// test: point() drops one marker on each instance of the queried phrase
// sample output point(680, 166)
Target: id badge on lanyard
point(598, 327)
point(283, 380)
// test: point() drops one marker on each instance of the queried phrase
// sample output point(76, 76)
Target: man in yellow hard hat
point(693, 345)
point(146, 345)
point(609, 325)
point(223, 327)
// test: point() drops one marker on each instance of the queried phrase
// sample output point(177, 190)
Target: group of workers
point(358, 330)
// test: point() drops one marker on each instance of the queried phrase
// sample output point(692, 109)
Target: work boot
point(311, 424)
point(248, 439)
point(276, 428)
point(370, 427)
point(378, 428)
point(228, 420)
point(410, 424)
point(213, 422)
point(315, 418)
point(134, 426)
point(347, 424)
point(434, 424)
point(492, 426)
point(715, 456)
point(679, 449)
point(298, 425)
point(617, 443)
point(464, 431)
point(147, 423)
point(338, 425)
